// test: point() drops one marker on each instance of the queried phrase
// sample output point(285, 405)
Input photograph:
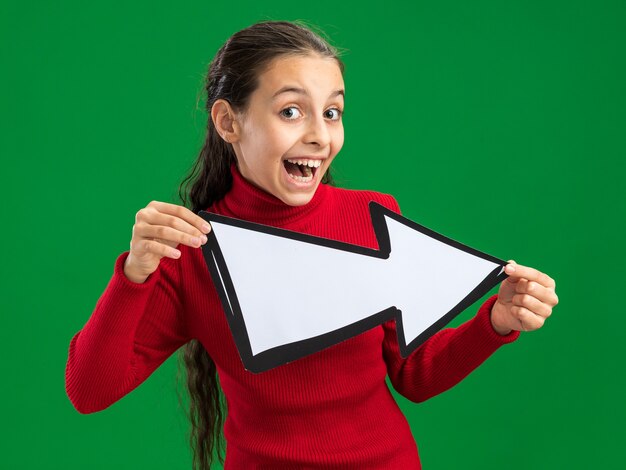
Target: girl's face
point(293, 127)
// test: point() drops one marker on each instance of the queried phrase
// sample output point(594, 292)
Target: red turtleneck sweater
point(330, 409)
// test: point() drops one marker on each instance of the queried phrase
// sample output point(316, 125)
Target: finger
point(528, 320)
point(532, 304)
point(183, 213)
point(169, 236)
point(141, 232)
point(518, 271)
point(544, 294)
point(152, 216)
point(154, 247)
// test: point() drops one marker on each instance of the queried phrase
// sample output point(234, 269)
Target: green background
point(499, 124)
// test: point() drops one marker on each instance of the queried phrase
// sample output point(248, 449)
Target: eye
point(289, 116)
point(338, 113)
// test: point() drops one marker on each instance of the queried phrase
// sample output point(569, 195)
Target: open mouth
point(301, 170)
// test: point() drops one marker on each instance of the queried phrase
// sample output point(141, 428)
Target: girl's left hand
point(525, 300)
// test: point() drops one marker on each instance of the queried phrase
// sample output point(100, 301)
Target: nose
point(317, 132)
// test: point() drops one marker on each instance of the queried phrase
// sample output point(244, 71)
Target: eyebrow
point(301, 91)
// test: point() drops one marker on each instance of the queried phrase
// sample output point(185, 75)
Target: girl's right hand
point(159, 228)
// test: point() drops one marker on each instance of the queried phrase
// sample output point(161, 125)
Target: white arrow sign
point(287, 294)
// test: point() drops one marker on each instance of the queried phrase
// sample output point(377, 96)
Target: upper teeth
point(311, 163)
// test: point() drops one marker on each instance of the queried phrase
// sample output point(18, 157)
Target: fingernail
point(510, 268)
point(204, 239)
point(206, 227)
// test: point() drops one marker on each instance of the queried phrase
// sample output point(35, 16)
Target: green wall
point(499, 124)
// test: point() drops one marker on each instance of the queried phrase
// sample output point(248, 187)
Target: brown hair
point(232, 76)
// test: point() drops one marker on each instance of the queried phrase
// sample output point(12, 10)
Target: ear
point(224, 120)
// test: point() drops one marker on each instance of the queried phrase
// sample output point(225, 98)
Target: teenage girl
point(275, 95)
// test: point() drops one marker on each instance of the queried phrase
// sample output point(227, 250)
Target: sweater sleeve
point(445, 358)
point(133, 329)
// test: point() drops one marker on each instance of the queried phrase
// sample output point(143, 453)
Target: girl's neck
point(248, 202)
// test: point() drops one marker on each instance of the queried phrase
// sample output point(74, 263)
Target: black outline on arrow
point(286, 353)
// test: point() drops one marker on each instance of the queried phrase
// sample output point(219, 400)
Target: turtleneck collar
point(246, 201)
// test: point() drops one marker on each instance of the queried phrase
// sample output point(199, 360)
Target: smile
point(301, 169)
